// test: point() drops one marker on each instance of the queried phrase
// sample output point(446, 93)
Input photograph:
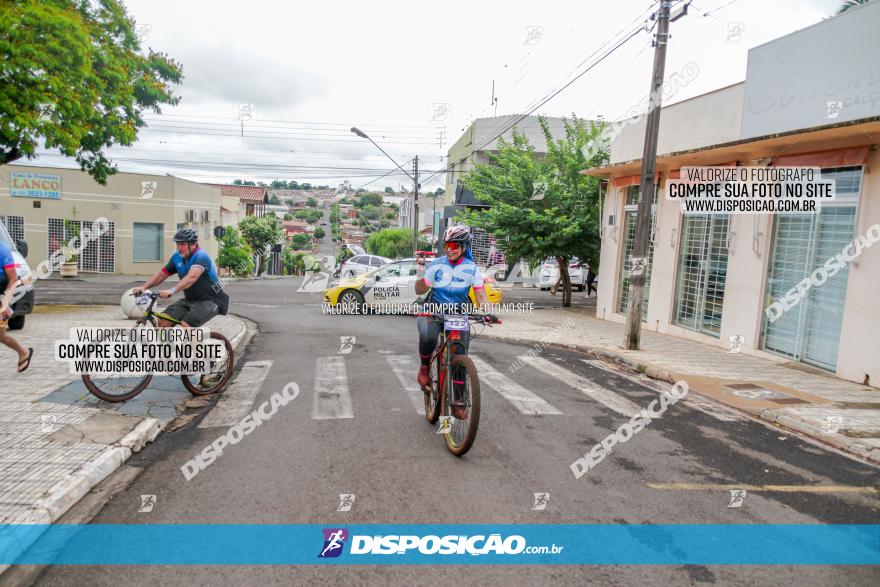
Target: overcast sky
point(315, 69)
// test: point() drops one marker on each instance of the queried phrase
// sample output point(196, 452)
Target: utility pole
point(639, 264)
point(416, 208)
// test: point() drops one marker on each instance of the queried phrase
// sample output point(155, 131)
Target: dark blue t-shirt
point(6, 261)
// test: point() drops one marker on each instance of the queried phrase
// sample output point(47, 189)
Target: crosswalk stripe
point(522, 399)
point(332, 399)
point(607, 398)
point(404, 366)
point(239, 396)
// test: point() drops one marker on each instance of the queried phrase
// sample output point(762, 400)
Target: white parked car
point(549, 273)
point(24, 303)
point(360, 264)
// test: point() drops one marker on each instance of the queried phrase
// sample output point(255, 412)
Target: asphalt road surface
point(355, 429)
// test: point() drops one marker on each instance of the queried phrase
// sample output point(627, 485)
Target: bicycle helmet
point(457, 234)
point(186, 235)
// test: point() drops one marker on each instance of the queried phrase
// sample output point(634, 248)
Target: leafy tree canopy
point(74, 78)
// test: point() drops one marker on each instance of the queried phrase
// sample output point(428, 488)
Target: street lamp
point(415, 180)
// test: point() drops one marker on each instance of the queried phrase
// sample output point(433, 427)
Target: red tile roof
point(250, 193)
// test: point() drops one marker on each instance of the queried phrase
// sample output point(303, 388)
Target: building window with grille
point(99, 255)
point(702, 272)
point(810, 331)
point(629, 225)
point(14, 226)
point(148, 242)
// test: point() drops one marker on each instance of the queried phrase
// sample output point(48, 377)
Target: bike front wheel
point(117, 388)
point(462, 403)
point(218, 375)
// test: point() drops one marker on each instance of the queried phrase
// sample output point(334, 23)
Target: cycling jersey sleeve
point(8, 262)
point(201, 259)
point(478, 280)
point(170, 268)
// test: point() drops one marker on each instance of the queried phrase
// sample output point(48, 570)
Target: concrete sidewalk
point(843, 414)
point(57, 441)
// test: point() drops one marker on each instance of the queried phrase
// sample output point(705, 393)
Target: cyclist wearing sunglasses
point(450, 278)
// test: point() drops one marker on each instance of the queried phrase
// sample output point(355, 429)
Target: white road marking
point(332, 399)
point(405, 367)
point(697, 402)
point(522, 399)
point(606, 397)
point(239, 396)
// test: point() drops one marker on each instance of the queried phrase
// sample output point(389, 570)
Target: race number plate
point(455, 323)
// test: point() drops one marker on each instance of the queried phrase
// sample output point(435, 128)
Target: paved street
point(355, 428)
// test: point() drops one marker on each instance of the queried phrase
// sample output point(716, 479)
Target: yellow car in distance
point(392, 284)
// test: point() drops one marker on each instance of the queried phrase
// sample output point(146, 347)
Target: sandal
point(26, 362)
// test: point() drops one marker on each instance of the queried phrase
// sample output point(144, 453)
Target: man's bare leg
point(13, 344)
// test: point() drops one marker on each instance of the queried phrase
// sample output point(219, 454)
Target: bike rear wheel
point(432, 397)
point(462, 401)
point(217, 378)
point(119, 388)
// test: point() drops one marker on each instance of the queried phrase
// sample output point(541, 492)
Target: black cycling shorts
point(193, 313)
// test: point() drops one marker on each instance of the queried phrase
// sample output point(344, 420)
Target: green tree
point(371, 213)
point(74, 78)
point(312, 202)
point(542, 207)
point(300, 241)
point(274, 200)
point(848, 4)
point(260, 234)
point(371, 199)
point(293, 261)
point(319, 233)
point(234, 255)
point(288, 216)
point(389, 190)
point(395, 243)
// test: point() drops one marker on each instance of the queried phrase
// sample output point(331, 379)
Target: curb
point(67, 492)
point(788, 421)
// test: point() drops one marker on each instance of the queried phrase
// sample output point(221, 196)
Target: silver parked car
point(360, 264)
point(549, 273)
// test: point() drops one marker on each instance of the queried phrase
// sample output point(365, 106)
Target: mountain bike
point(119, 388)
point(455, 386)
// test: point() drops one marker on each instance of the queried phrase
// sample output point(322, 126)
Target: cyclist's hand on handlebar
point(491, 319)
point(166, 294)
point(137, 291)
